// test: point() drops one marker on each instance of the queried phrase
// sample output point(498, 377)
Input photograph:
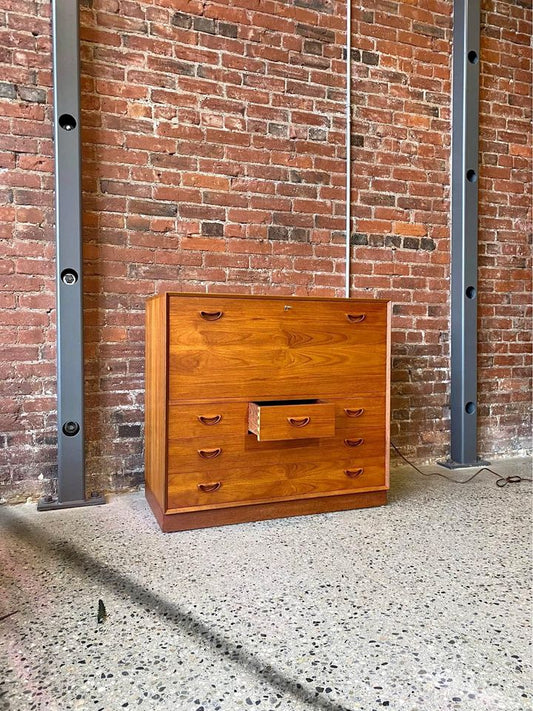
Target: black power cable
point(500, 480)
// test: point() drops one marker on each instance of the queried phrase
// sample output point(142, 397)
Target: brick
point(228, 29)
point(276, 233)
point(213, 229)
point(146, 207)
point(317, 33)
point(204, 24)
point(180, 19)
point(370, 58)
point(427, 244)
point(7, 91)
point(409, 229)
point(313, 47)
point(319, 5)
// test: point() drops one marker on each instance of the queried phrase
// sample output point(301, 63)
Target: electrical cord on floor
point(501, 481)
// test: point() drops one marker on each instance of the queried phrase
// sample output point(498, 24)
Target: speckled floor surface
point(421, 605)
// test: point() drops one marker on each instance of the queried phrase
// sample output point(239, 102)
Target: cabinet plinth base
point(258, 512)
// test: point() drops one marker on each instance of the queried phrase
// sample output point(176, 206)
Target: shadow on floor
point(110, 578)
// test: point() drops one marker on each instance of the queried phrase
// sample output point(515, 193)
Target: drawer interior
point(277, 403)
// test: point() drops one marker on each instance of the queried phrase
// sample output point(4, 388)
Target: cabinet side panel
point(387, 396)
point(156, 398)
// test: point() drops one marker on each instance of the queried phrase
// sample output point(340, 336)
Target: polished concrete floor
point(420, 605)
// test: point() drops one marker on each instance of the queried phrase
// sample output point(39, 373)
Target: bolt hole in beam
point(471, 176)
point(470, 408)
point(69, 276)
point(67, 122)
point(71, 428)
point(473, 57)
point(470, 292)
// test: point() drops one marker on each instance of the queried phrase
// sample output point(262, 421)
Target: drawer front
point(291, 421)
point(208, 421)
point(237, 348)
point(207, 457)
point(275, 483)
point(360, 413)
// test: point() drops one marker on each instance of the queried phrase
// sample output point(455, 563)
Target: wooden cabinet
point(262, 407)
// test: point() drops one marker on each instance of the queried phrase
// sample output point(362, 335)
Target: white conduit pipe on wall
point(348, 143)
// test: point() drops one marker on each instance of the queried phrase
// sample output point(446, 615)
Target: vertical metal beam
point(69, 282)
point(464, 182)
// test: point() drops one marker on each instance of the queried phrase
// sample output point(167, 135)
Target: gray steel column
point(464, 181)
point(69, 287)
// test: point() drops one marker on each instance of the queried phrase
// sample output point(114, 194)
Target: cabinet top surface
point(262, 297)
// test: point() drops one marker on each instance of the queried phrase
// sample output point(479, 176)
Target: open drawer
point(291, 419)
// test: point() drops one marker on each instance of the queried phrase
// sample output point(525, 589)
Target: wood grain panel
point(272, 483)
point(217, 375)
point(156, 397)
point(310, 347)
point(188, 420)
point(360, 412)
point(292, 323)
point(239, 452)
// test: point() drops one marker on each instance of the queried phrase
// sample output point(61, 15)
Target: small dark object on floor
point(4, 617)
point(102, 614)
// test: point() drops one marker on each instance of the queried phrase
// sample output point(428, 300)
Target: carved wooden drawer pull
point(354, 442)
point(210, 453)
point(211, 315)
point(208, 488)
point(298, 421)
point(354, 473)
point(210, 420)
point(355, 318)
point(354, 413)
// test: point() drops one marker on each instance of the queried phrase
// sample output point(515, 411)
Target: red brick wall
point(213, 148)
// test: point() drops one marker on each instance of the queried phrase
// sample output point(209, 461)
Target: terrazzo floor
point(422, 605)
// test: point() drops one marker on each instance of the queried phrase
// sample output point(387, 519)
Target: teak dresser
point(262, 407)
